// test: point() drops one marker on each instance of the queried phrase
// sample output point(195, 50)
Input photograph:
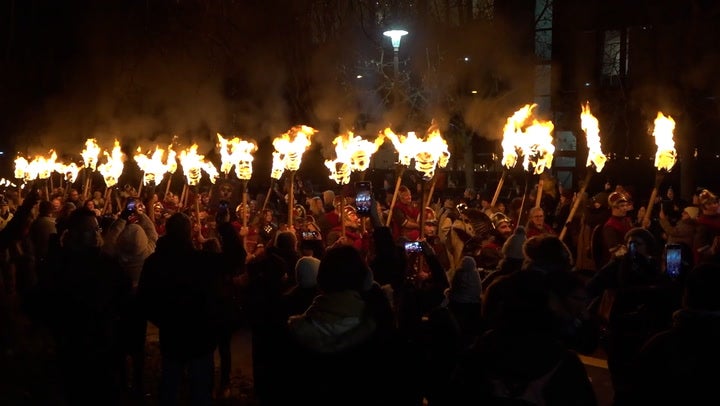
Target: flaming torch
point(22, 166)
point(22, 172)
point(152, 167)
point(665, 157)
point(111, 170)
point(405, 147)
point(238, 153)
point(533, 141)
point(278, 167)
point(340, 169)
point(511, 143)
point(45, 167)
point(596, 157)
point(193, 166)
point(171, 165)
point(90, 156)
point(361, 150)
point(291, 146)
point(431, 154)
point(70, 173)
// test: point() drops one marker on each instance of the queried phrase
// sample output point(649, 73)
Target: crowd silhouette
point(466, 304)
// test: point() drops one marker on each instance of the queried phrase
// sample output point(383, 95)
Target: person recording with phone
point(130, 240)
point(634, 299)
point(634, 264)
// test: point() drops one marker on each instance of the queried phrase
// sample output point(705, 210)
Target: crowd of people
point(454, 302)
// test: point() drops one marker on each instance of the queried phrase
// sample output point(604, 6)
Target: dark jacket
point(678, 366)
point(532, 367)
point(180, 292)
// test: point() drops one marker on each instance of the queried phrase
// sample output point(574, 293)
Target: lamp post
point(395, 36)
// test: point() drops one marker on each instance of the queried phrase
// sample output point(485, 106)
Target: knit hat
point(466, 286)
point(306, 270)
point(692, 211)
point(513, 247)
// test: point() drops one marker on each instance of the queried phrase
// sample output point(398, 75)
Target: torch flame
point(293, 144)
point(236, 152)
point(153, 167)
point(431, 153)
point(171, 162)
point(45, 166)
point(341, 168)
point(532, 141)
point(21, 168)
point(666, 156)
point(590, 125)
point(91, 153)
point(112, 169)
point(194, 164)
point(278, 166)
point(406, 146)
point(69, 171)
point(362, 150)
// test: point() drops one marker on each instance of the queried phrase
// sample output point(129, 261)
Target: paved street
point(241, 375)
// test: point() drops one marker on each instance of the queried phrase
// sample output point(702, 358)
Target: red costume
point(402, 213)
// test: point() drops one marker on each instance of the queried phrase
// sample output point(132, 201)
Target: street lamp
point(395, 36)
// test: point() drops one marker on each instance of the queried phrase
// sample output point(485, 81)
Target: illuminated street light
point(395, 36)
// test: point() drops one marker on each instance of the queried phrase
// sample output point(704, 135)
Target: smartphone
point(363, 198)
point(673, 260)
point(310, 235)
point(130, 204)
point(413, 247)
point(632, 248)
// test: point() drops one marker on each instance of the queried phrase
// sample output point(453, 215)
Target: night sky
point(145, 71)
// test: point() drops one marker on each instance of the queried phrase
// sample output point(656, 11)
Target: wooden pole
point(267, 196)
point(576, 203)
point(88, 183)
point(108, 204)
point(183, 196)
point(67, 189)
point(140, 186)
point(197, 208)
point(291, 198)
point(167, 187)
point(245, 213)
point(423, 215)
point(342, 211)
point(430, 193)
point(498, 189)
point(394, 198)
point(538, 198)
point(648, 212)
